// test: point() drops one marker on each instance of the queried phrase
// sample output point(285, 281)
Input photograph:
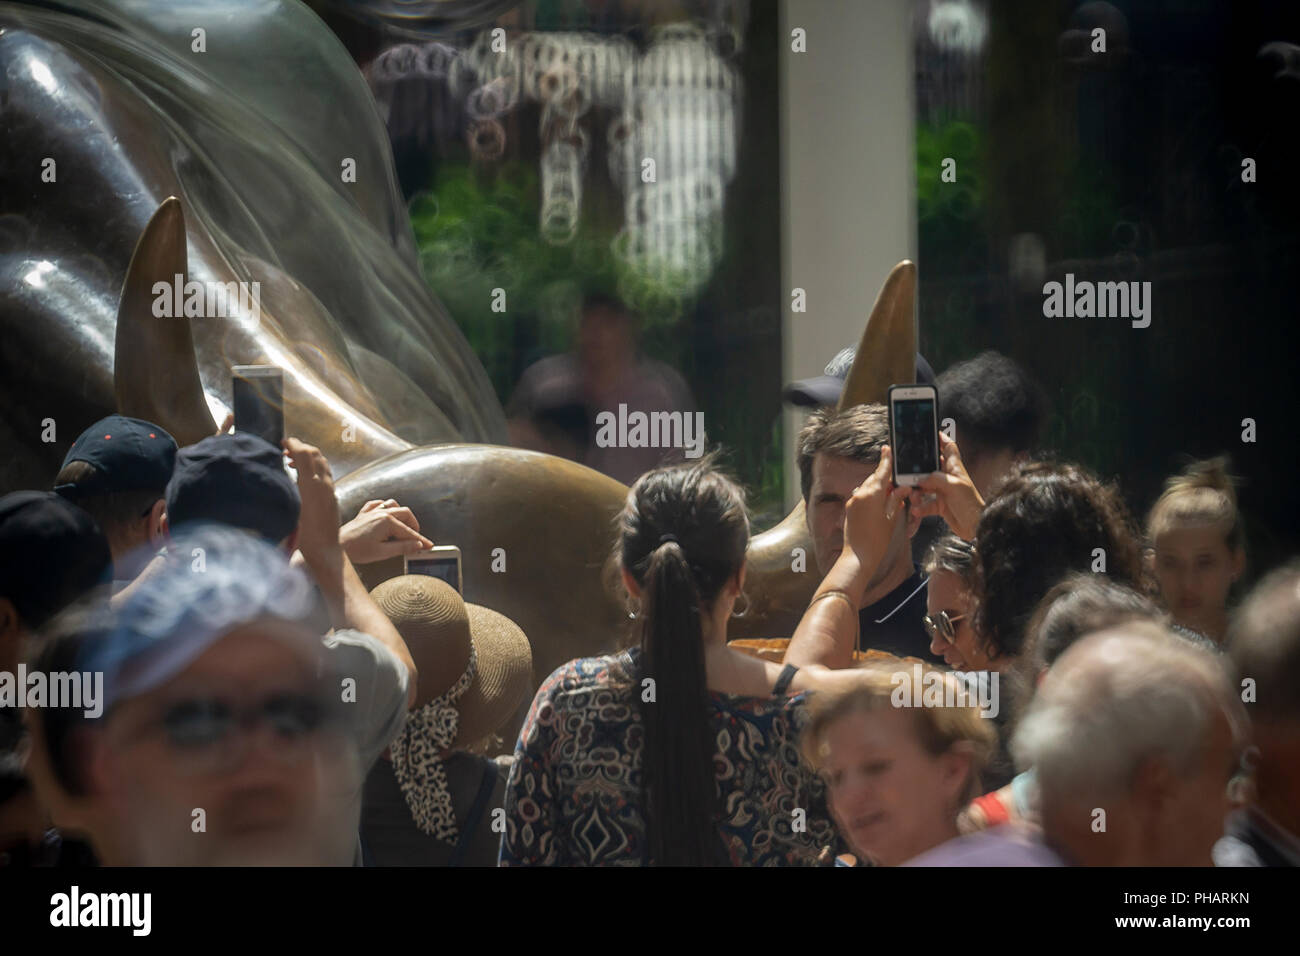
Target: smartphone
point(440, 562)
point(259, 401)
point(913, 432)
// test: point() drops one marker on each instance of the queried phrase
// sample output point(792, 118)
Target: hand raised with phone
point(870, 515)
point(318, 522)
point(382, 529)
point(949, 493)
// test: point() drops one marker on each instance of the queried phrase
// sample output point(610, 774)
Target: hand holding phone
point(318, 522)
point(441, 562)
point(382, 529)
point(870, 517)
point(949, 493)
point(913, 432)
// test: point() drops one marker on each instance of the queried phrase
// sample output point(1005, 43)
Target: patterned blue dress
point(574, 798)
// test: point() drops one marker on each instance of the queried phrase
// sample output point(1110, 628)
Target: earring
point(741, 613)
point(632, 611)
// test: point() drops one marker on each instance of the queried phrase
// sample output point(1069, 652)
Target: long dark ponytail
point(684, 534)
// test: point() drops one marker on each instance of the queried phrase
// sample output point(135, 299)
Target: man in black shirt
point(996, 409)
point(894, 622)
point(838, 451)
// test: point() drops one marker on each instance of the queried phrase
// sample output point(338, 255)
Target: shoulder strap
point(783, 682)
point(475, 813)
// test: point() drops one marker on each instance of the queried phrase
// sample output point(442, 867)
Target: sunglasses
point(943, 625)
point(210, 735)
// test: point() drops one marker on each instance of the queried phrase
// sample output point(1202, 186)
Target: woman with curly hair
point(1048, 520)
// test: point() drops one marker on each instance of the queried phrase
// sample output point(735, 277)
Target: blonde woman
point(1199, 546)
point(901, 752)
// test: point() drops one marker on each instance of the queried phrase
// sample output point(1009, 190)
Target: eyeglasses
point(210, 735)
point(943, 624)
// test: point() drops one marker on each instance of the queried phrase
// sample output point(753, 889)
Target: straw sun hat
point(443, 633)
point(475, 668)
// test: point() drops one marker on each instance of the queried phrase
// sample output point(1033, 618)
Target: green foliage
point(479, 234)
point(1090, 213)
point(949, 214)
point(476, 235)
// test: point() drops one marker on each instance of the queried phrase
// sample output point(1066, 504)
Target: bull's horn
point(886, 356)
point(155, 376)
point(887, 352)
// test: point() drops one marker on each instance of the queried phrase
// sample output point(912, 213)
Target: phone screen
point(446, 569)
point(259, 405)
point(915, 436)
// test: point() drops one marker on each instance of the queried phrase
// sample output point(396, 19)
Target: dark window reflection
point(618, 150)
point(1122, 166)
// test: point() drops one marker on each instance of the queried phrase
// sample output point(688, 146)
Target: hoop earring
point(735, 613)
point(632, 611)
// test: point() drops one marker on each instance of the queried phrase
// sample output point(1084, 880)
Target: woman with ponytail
point(680, 751)
point(1198, 545)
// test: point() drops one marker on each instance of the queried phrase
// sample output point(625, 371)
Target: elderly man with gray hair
point(1264, 644)
point(1134, 735)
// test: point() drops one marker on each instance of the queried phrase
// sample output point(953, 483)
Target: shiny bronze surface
point(115, 96)
point(212, 169)
point(887, 351)
point(545, 523)
point(154, 375)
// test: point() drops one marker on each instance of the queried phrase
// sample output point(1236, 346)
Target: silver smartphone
point(439, 562)
point(913, 432)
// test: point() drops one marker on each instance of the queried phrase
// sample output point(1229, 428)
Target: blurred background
point(520, 154)
point(1123, 165)
point(820, 169)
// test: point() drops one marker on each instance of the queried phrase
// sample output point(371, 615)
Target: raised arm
point(349, 602)
point(828, 633)
point(950, 493)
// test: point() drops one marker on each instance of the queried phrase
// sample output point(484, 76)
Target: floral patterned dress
point(574, 798)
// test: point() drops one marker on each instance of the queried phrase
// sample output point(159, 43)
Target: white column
point(848, 210)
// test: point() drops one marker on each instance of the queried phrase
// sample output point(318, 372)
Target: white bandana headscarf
point(417, 757)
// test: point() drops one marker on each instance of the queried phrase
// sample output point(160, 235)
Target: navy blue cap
point(129, 454)
point(825, 389)
point(234, 480)
point(51, 553)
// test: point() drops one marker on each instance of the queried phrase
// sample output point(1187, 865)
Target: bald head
point(1119, 696)
point(1264, 644)
point(1134, 734)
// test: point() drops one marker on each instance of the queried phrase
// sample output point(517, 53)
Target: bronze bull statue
point(376, 373)
point(551, 519)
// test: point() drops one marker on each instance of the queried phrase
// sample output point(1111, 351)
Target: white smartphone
point(258, 400)
point(913, 432)
point(442, 562)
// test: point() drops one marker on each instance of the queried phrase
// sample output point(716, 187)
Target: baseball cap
point(825, 389)
point(235, 480)
point(129, 454)
point(177, 613)
point(51, 553)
